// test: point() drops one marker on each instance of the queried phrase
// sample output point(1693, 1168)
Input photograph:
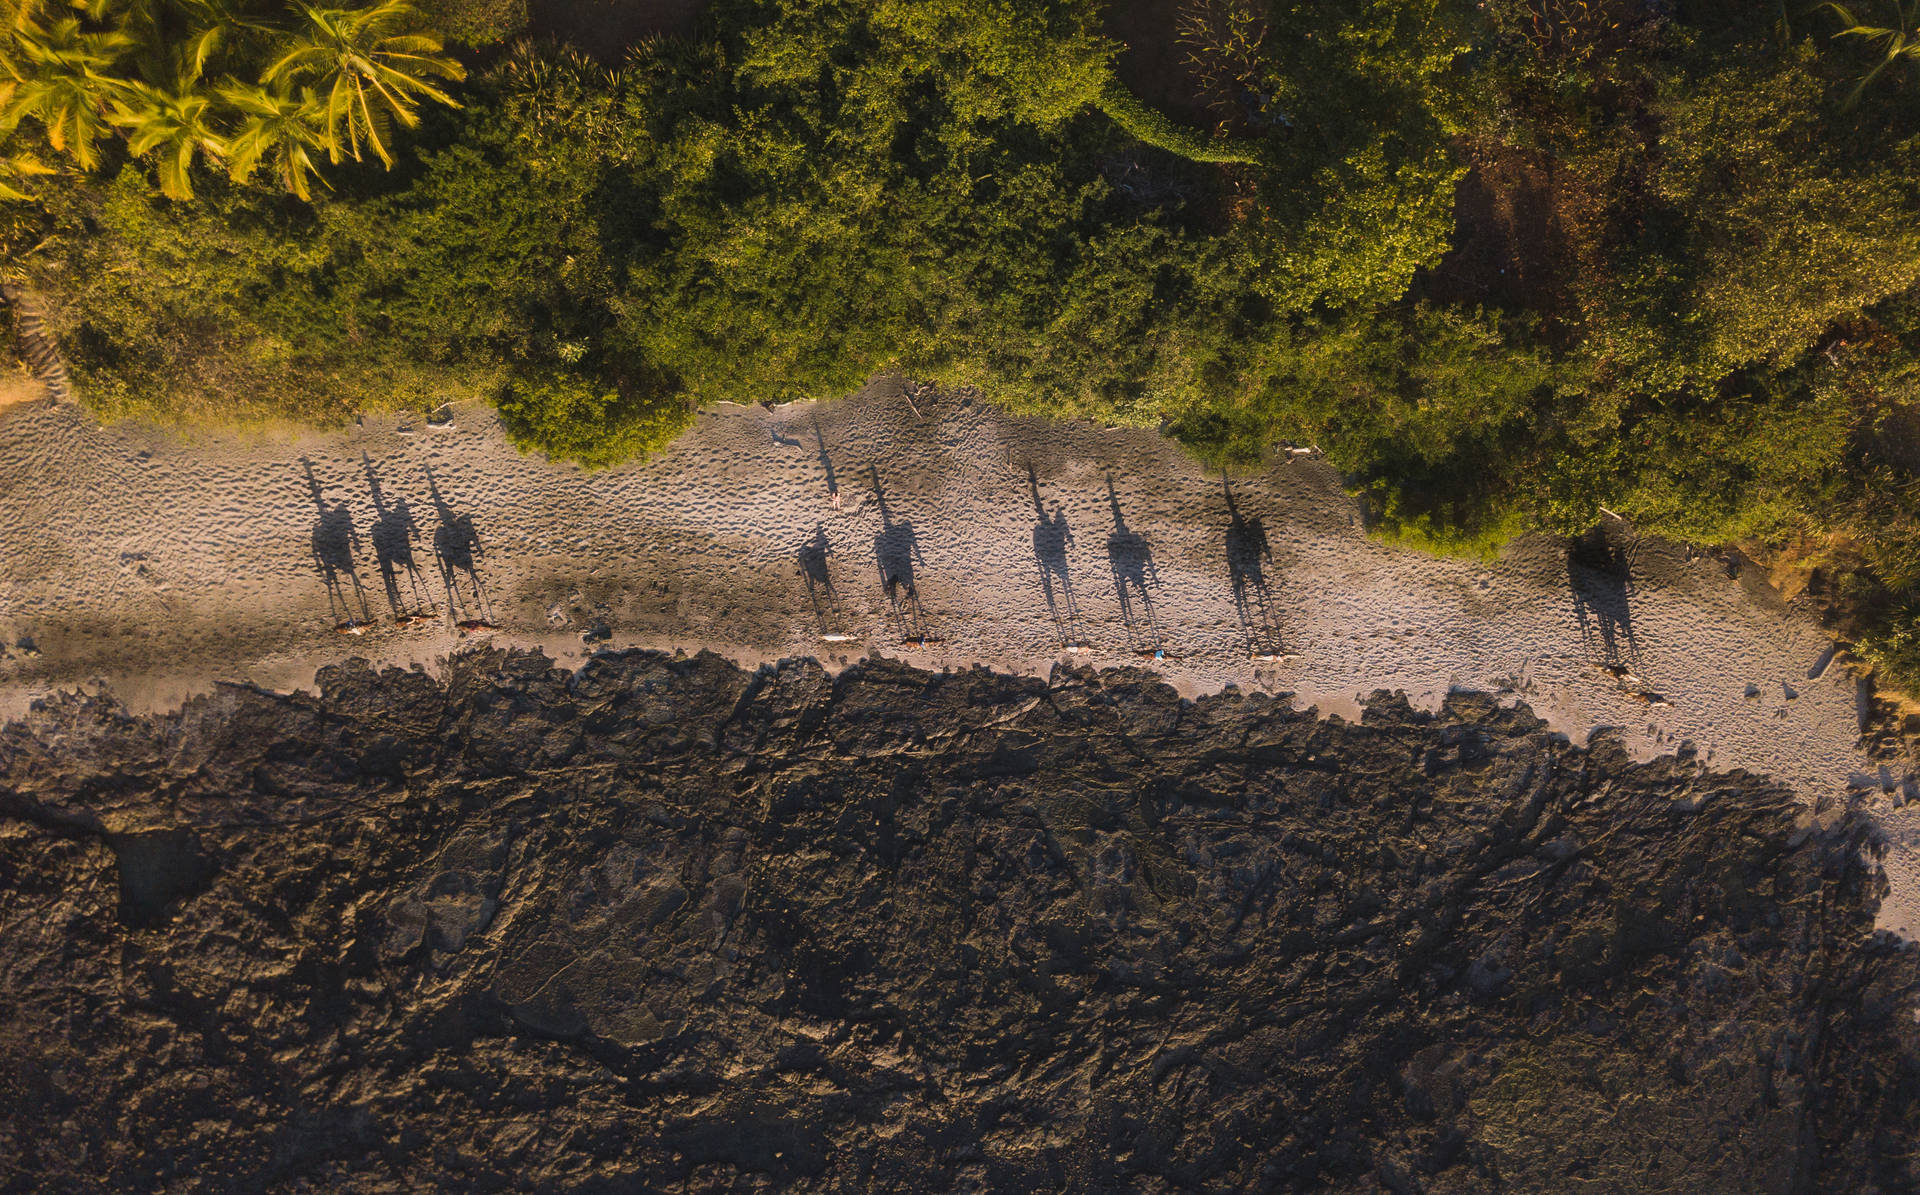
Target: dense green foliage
point(1508, 263)
point(186, 81)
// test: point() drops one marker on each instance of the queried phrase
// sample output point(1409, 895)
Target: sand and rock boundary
point(933, 529)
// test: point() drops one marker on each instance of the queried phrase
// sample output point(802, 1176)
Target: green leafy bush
point(1157, 129)
point(571, 417)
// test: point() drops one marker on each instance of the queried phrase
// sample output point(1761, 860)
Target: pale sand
point(154, 566)
point(17, 388)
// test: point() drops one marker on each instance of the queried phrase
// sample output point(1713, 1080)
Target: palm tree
point(60, 74)
point(16, 167)
point(368, 72)
point(18, 14)
point(172, 124)
point(288, 127)
point(1901, 41)
point(171, 117)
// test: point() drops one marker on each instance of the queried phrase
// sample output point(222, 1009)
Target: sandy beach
point(923, 526)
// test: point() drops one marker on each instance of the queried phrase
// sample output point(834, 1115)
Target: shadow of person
point(1051, 540)
point(1600, 574)
point(1134, 577)
point(334, 544)
point(456, 547)
point(1248, 554)
point(826, 466)
point(393, 535)
point(895, 548)
point(813, 556)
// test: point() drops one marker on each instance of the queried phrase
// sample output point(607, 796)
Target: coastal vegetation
point(1512, 265)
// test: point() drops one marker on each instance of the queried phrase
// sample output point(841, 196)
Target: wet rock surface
point(660, 923)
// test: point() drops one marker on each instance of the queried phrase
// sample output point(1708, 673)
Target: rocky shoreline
point(661, 922)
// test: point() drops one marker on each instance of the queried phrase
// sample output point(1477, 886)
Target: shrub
point(573, 417)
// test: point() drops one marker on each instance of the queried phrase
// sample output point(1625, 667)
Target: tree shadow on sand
point(334, 544)
point(456, 546)
point(1134, 579)
point(1600, 574)
point(896, 546)
point(1248, 556)
point(393, 536)
point(1051, 540)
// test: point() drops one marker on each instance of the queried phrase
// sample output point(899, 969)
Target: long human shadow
point(393, 536)
point(826, 465)
point(896, 546)
point(334, 543)
point(456, 547)
point(1134, 579)
point(1248, 555)
point(814, 567)
point(1051, 540)
point(1600, 575)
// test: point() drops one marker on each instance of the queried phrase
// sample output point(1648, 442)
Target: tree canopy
point(1508, 263)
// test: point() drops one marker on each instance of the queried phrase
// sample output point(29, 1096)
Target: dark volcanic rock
point(659, 924)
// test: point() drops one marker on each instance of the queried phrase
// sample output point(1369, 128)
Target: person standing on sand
point(1134, 576)
point(826, 466)
point(813, 556)
point(393, 535)
point(456, 545)
point(895, 548)
point(1248, 554)
point(1600, 575)
point(334, 544)
point(1052, 539)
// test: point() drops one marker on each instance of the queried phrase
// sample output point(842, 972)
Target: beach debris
point(1634, 687)
point(926, 390)
point(920, 640)
point(1820, 665)
point(441, 417)
point(836, 637)
point(1268, 657)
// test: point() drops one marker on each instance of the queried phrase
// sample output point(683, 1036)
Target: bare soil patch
point(1507, 242)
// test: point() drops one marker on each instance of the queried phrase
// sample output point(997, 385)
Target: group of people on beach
point(1129, 555)
point(336, 546)
point(394, 536)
